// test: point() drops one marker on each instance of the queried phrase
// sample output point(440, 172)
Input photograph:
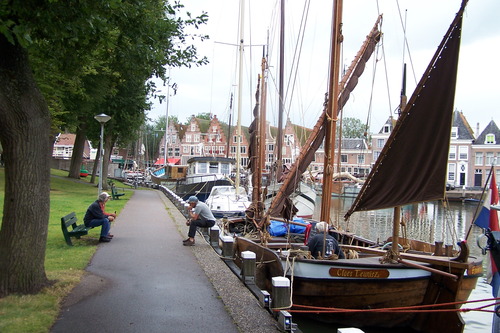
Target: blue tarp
point(279, 229)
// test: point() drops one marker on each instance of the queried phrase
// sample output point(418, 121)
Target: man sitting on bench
point(96, 216)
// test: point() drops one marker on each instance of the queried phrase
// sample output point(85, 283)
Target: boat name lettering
point(475, 270)
point(359, 273)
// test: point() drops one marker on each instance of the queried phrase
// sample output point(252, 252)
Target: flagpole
point(486, 184)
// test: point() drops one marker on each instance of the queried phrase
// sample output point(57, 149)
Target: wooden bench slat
point(76, 230)
point(114, 193)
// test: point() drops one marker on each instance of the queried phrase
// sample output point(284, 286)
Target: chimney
point(477, 130)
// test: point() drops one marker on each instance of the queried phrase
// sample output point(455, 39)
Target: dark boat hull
point(364, 283)
point(201, 189)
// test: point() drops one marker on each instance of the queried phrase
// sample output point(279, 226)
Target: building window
point(376, 154)
point(193, 127)
point(490, 158)
point(289, 139)
point(270, 147)
point(196, 138)
point(270, 158)
point(214, 129)
point(386, 129)
point(233, 149)
point(177, 152)
point(380, 143)
point(451, 172)
point(243, 149)
point(188, 138)
point(479, 159)
point(452, 155)
point(343, 158)
point(490, 139)
point(463, 153)
point(454, 132)
point(361, 159)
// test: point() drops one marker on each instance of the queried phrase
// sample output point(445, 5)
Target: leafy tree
point(62, 61)
point(353, 128)
point(204, 115)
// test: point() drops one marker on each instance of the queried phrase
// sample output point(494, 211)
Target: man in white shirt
point(200, 216)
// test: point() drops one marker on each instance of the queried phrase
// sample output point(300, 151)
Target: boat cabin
point(210, 165)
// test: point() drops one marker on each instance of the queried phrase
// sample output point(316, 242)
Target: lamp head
point(102, 118)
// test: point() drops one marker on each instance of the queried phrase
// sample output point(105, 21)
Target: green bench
point(76, 230)
point(114, 193)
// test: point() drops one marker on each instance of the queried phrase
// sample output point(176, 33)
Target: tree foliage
point(62, 62)
point(353, 128)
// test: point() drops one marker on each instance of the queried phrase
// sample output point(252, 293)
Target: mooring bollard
point(227, 246)
point(214, 235)
point(248, 267)
point(280, 292)
point(285, 321)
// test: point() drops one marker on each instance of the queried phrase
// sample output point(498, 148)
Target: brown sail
point(412, 165)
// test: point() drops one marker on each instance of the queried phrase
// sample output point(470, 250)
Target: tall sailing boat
point(379, 287)
point(304, 195)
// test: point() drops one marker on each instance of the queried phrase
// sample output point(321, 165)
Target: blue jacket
point(94, 212)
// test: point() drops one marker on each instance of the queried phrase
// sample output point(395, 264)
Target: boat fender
point(307, 233)
point(389, 245)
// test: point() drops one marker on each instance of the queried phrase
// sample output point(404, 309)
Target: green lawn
point(63, 264)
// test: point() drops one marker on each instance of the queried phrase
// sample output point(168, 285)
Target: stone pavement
point(144, 280)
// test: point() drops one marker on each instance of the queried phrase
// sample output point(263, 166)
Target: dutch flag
point(488, 218)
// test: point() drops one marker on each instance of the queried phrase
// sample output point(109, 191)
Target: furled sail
point(412, 165)
point(316, 138)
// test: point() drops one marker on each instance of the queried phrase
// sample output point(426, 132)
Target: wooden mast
point(397, 209)
point(279, 137)
point(238, 121)
point(262, 136)
point(332, 109)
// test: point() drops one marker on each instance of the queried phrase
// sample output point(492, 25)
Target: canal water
point(428, 222)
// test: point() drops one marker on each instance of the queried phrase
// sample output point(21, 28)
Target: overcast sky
point(209, 88)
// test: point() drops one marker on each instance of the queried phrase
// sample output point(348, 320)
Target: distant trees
point(353, 128)
point(62, 63)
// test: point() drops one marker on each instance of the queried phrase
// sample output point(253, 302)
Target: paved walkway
point(144, 280)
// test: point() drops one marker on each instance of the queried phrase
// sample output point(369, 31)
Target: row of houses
point(470, 157)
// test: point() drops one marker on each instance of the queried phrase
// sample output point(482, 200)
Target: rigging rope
point(403, 309)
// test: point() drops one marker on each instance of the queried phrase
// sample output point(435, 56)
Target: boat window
point(214, 167)
point(202, 167)
point(224, 168)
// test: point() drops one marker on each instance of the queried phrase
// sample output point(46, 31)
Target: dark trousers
point(103, 222)
point(199, 223)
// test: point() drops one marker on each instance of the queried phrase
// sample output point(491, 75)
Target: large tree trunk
point(78, 148)
point(24, 134)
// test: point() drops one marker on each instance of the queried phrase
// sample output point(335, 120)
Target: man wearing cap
point(323, 244)
point(96, 216)
point(201, 216)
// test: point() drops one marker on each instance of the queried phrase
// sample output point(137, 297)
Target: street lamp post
point(102, 119)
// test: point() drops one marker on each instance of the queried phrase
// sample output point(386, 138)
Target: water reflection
point(427, 222)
